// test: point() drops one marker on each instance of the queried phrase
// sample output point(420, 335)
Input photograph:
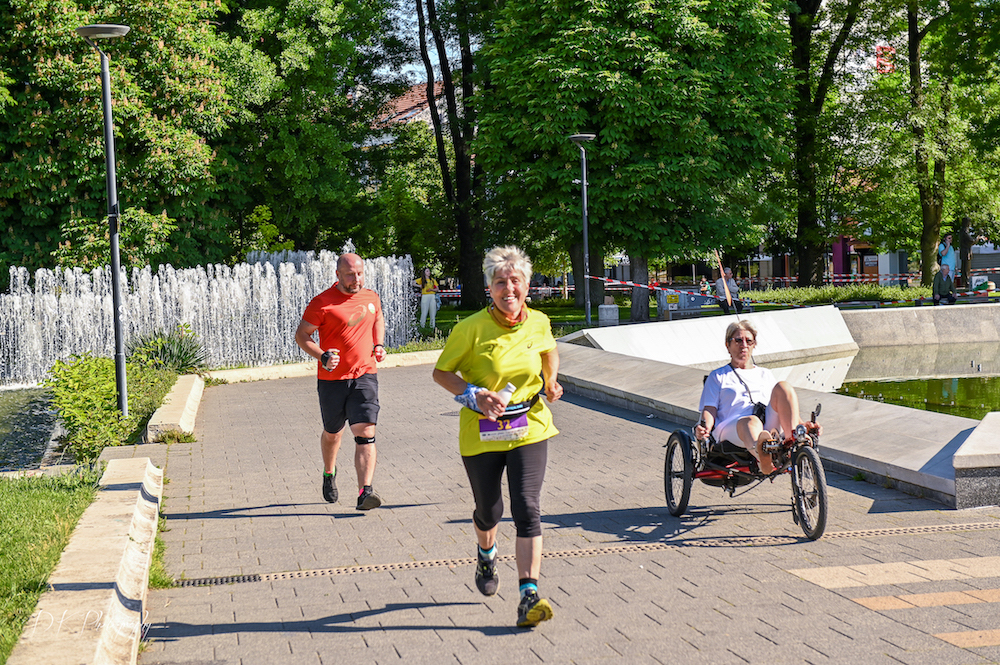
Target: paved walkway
point(896, 579)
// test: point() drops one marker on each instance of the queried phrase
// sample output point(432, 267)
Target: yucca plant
point(179, 350)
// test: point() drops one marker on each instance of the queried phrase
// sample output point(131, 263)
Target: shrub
point(84, 393)
point(179, 350)
point(827, 295)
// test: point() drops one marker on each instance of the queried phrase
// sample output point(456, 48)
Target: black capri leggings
point(525, 473)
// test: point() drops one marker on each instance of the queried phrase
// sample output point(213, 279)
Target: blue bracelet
point(468, 398)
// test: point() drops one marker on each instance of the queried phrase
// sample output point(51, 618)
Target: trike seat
point(725, 447)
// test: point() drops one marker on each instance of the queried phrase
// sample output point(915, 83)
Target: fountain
point(245, 315)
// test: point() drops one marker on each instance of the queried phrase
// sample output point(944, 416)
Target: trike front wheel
point(809, 499)
point(678, 473)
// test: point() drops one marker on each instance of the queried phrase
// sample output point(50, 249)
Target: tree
point(933, 100)
point(168, 100)
point(815, 33)
point(920, 142)
point(460, 174)
point(404, 211)
point(686, 100)
point(309, 81)
point(144, 240)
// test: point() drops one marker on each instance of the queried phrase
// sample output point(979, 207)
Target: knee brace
point(364, 440)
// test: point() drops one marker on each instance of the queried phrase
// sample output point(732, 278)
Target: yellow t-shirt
point(489, 355)
point(428, 287)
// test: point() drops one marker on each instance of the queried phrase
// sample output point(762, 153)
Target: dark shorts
point(354, 400)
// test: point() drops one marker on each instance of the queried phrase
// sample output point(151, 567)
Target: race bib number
point(504, 429)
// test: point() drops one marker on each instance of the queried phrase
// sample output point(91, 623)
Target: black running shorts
point(343, 400)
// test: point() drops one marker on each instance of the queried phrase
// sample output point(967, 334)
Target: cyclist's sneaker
point(486, 575)
point(532, 610)
point(368, 499)
point(330, 487)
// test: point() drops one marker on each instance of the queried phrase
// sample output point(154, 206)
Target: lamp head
point(582, 138)
point(102, 31)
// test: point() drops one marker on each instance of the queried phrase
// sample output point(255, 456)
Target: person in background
point(428, 297)
point(351, 340)
point(943, 287)
point(704, 287)
point(497, 363)
point(720, 292)
point(947, 255)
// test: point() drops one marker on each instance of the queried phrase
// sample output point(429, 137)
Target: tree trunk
point(640, 294)
point(460, 184)
point(930, 182)
point(811, 239)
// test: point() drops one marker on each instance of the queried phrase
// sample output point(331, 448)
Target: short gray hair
point(742, 324)
point(509, 257)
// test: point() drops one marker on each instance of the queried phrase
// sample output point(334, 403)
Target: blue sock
point(488, 555)
point(528, 585)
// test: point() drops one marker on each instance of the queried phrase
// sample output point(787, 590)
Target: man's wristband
point(378, 345)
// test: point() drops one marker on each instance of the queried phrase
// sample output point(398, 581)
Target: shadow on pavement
point(338, 623)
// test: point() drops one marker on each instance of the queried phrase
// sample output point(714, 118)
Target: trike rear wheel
point(678, 473)
point(809, 492)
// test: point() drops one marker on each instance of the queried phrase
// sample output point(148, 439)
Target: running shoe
point(368, 499)
point(486, 575)
point(330, 487)
point(532, 610)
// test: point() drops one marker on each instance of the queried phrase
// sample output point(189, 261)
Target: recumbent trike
point(729, 466)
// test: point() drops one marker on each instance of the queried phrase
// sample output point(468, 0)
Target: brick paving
point(629, 583)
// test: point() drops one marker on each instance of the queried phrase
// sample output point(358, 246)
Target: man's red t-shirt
point(346, 322)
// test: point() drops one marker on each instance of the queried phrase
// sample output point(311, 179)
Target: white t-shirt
point(724, 390)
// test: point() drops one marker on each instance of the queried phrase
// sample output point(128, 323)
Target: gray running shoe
point(330, 487)
point(486, 576)
point(532, 610)
point(368, 499)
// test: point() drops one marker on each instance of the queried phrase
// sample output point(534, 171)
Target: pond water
point(27, 423)
point(958, 379)
point(969, 397)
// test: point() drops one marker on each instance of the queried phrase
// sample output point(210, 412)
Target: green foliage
point(143, 240)
point(178, 350)
point(175, 436)
point(84, 393)
point(304, 76)
point(260, 235)
point(168, 98)
point(686, 100)
point(826, 295)
point(159, 578)
point(404, 211)
point(37, 516)
point(5, 98)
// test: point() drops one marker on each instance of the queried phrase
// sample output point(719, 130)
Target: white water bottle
point(506, 393)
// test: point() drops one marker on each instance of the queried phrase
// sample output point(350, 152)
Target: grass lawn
point(37, 516)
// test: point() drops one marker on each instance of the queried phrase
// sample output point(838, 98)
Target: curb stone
point(92, 611)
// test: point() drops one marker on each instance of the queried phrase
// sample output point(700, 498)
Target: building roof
point(411, 104)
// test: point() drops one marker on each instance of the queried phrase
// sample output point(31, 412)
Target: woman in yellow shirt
point(507, 359)
point(428, 297)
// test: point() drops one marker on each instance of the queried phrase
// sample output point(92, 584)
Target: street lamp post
point(90, 33)
point(580, 140)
